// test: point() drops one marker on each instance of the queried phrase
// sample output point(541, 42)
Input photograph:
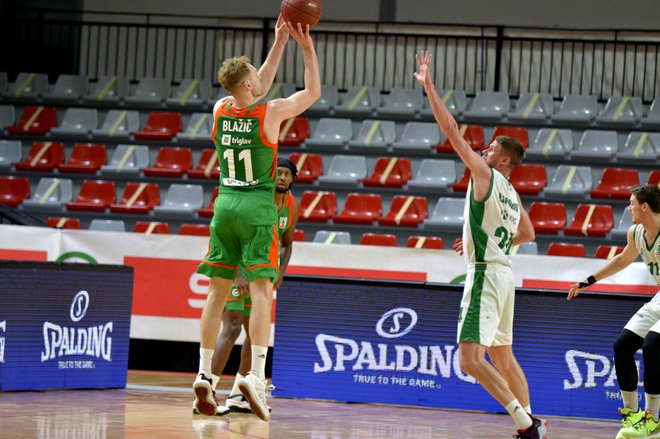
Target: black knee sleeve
point(651, 350)
point(625, 347)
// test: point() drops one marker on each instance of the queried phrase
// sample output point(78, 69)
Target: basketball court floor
point(159, 405)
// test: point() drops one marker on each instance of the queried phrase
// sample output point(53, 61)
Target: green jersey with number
point(491, 224)
point(247, 160)
point(650, 253)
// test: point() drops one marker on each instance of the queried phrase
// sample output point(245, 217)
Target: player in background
point(495, 220)
point(643, 328)
point(243, 228)
point(237, 310)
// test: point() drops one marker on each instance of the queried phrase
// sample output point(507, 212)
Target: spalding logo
point(395, 329)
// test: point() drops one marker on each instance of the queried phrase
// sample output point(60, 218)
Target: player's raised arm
point(269, 68)
point(478, 167)
point(303, 99)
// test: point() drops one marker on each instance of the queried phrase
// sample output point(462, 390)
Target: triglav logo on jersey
point(3, 328)
point(340, 354)
point(283, 222)
point(65, 342)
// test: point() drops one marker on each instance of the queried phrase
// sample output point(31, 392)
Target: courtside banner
point(64, 326)
point(396, 344)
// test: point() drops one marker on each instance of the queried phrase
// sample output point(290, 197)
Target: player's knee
point(469, 363)
point(626, 344)
point(651, 346)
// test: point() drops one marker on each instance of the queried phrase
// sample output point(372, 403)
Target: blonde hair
point(233, 71)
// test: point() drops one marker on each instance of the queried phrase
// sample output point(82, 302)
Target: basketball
point(302, 11)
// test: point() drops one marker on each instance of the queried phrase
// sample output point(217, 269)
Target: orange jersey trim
point(213, 264)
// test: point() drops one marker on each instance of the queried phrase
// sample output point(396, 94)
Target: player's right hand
point(574, 291)
point(458, 246)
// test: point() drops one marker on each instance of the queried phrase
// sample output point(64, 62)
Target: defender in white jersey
point(643, 329)
point(495, 221)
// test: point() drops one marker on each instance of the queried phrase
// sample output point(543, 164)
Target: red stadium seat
point(360, 209)
point(566, 249)
point(654, 178)
point(35, 121)
point(432, 242)
point(547, 217)
point(170, 162)
point(194, 229)
point(63, 223)
point(389, 172)
point(386, 240)
point(317, 206)
point(207, 167)
point(95, 196)
point(591, 220)
point(310, 166)
point(473, 135)
point(518, 133)
point(138, 198)
point(462, 184)
point(294, 131)
point(43, 156)
point(608, 251)
point(13, 190)
point(299, 235)
point(615, 183)
point(528, 179)
point(149, 227)
point(207, 212)
point(161, 125)
point(86, 158)
point(407, 211)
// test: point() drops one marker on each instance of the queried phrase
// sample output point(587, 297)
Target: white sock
point(235, 390)
point(259, 354)
point(630, 400)
point(528, 409)
point(215, 379)
point(205, 356)
point(520, 416)
point(653, 404)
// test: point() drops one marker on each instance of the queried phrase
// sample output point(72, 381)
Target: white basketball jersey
point(491, 224)
point(650, 254)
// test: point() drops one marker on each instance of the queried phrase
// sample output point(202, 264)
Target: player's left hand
point(574, 291)
point(423, 66)
point(281, 30)
point(278, 282)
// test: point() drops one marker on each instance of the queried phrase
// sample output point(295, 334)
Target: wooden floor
point(159, 405)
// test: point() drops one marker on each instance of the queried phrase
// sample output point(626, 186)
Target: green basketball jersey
point(285, 215)
point(247, 160)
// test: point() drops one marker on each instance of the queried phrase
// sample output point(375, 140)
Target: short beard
point(281, 191)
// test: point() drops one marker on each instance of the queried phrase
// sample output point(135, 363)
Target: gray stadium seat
point(488, 106)
point(330, 237)
point(129, 159)
point(107, 89)
point(345, 170)
point(434, 173)
point(200, 126)
point(652, 120)
point(11, 151)
point(418, 137)
point(576, 110)
point(103, 225)
point(77, 121)
point(191, 93)
point(181, 200)
point(447, 214)
point(374, 135)
point(535, 107)
point(150, 91)
point(119, 124)
point(326, 104)
point(621, 111)
point(50, 194)
point(625, 221)
point(526, 248)
point(570, 181)
point(551, 143)
point(359, 102)
point(28, 85)
point(68, 88)
point(7, 116)
point(331, 132)
point(599, 146)
point(640, 147)
point(402, 103)
point(454, 100)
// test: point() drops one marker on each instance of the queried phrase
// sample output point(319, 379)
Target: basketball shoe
point(538, 430)
point(648, 427)
point(205, 403)
point(255, 392)
point(628, 420)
